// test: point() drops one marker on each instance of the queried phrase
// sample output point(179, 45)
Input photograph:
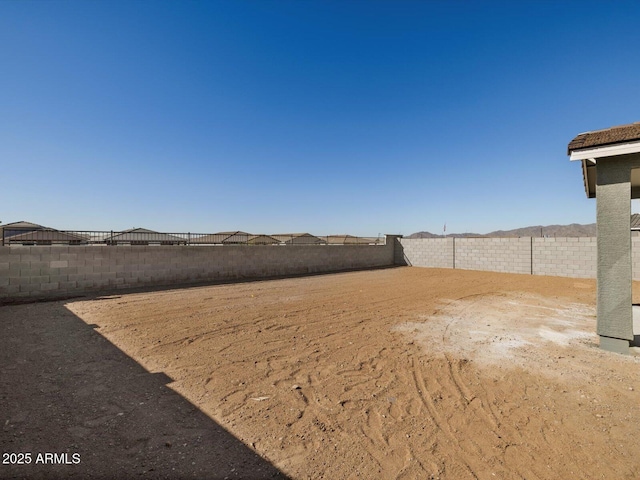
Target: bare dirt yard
point(404, 373)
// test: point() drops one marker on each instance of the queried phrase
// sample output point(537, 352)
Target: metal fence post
point(531, 256)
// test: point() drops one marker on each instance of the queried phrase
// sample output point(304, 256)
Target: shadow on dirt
point(66, 390)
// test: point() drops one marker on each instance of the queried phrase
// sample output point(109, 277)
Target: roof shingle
point(608, 136)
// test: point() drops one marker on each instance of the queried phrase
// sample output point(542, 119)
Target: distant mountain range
point(573, 230)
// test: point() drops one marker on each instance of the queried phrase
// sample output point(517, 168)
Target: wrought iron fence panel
point(142, 237)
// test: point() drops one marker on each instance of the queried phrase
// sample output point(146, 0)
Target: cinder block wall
point(565, 257)
point(34, 272)
point(512, 255)
point(428, 252)
point(561, 256)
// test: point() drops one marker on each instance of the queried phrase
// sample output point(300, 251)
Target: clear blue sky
point(359, 117)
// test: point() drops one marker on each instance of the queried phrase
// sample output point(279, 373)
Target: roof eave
point(590, 156)
point(603, 151)
point(585, 180)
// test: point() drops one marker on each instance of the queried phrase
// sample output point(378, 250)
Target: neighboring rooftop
point(304, 238)
point(143, 235)
point(608, 136)
point(23, 225)
point(350, 240)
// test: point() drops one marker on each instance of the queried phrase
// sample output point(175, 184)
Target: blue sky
point(359, 117)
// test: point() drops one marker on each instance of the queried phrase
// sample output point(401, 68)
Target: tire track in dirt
point(481, 403)
point(442, 422)
point(487, 406)
point(312, 374)
point(456, 391)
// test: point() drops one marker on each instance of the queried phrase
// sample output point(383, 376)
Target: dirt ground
point(404, 373)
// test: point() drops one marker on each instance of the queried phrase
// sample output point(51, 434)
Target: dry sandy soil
point(402, 373)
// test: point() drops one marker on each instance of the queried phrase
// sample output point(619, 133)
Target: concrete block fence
point(28, 273)
point(560, 256)
point(494, 254)
point(426, 252)
point(50, 271)
point(566, 257)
